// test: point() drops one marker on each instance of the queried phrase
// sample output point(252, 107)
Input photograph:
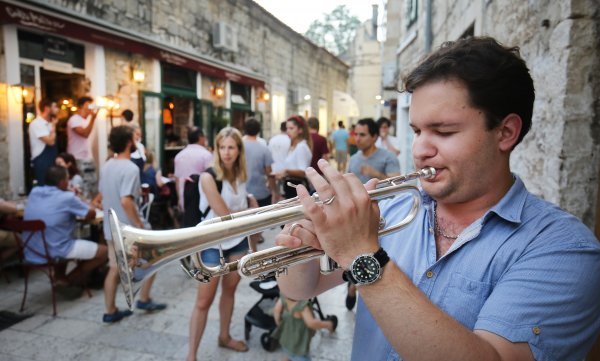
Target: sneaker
point(150, 306)
point(116, 316)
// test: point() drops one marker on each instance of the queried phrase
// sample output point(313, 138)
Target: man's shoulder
point(385, 154)
point(75, 119)
point(120, 165)
point(554, 224)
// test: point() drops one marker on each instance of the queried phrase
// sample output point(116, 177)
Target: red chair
point(34, 226)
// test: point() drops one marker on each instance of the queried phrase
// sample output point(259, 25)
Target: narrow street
point(77, 332)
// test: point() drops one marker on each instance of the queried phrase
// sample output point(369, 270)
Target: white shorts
point(83, 249)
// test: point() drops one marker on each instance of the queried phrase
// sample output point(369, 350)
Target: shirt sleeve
point(268, 158)
point(77, 207)
point(75, 122)
point(130, 184)
point(39, 129)
point(305, 156)
point(324, 148)
point(392, 165)
point(543, 299)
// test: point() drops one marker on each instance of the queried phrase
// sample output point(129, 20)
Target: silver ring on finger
point(293, 227)
point(329, 200)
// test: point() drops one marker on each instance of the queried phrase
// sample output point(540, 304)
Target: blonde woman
point(229, 169)
point(298, 157)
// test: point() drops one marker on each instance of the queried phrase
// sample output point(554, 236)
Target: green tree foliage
point(334, 31)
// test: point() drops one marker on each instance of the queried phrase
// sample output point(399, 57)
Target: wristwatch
point(366, 268)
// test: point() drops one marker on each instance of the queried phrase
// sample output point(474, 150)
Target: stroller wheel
point(268, 342)
point(333, 319)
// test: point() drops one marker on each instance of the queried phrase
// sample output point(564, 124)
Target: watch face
point(366, 269)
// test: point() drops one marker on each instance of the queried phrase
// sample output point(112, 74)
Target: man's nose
point(423, 147)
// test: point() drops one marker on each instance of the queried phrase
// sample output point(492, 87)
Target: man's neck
point(369, 151)
point(464, 213)
point(46, 117)
point(251, 137)
point(124, 155)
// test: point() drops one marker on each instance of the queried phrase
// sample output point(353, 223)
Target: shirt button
point(429, 274)
point(536, 330)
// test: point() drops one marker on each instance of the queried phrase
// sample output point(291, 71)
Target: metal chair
point(145, 207)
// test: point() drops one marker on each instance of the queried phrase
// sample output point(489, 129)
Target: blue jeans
point(211, 257)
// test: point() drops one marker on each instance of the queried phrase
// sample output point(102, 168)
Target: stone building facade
point(560, 40)
point(365, 70)
point(207, 63)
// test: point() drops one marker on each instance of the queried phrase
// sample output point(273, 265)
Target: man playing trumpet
point(486, 271)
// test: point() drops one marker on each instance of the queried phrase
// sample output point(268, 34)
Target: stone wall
point(4, 154)
point(560, 157)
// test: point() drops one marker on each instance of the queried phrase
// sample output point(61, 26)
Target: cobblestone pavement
point(77, 332)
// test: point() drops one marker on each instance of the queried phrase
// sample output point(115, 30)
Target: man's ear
point(508, 132)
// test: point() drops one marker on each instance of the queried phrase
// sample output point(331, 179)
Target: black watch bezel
point(379, 259)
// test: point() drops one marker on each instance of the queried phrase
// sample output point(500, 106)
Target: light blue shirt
point(58, 209)
point(382, 161)
point(258, 157)
point(340, 138)
point(526, 271)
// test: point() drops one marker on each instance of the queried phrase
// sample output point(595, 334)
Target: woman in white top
point(230, 168)
point(298, 157)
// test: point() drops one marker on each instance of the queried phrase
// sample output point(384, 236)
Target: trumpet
point(141, 252)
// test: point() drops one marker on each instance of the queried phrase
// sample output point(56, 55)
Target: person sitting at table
point(67, 160)
point(8, 240)
point(59, 208)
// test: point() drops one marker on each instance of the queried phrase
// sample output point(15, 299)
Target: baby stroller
point(261, 314)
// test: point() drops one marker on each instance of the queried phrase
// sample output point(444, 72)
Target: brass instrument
point(142, 252)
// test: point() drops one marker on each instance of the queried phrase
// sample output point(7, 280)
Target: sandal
point(235, 345)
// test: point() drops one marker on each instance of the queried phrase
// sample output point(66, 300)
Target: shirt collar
point(510, 207)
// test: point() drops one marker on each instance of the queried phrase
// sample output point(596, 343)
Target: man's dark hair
point(119, 136)
point(313, 123)
point(194, 134)
point(81, 101)
point(45, 103)
point(251, 126)
point(383, 120)
point(370, 123)
point(127, 114)
point(340, 124)
point(496, 77)
point(283, 126)
point(55, 174)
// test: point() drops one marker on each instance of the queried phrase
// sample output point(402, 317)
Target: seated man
point(58, 208)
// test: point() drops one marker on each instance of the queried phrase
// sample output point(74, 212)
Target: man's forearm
point(305, 281)
point(131, 210)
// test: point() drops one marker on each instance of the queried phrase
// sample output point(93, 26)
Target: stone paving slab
point(77, 332)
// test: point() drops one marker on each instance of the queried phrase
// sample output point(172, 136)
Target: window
point(174, 76)
point(39, 47)
point(411, 8)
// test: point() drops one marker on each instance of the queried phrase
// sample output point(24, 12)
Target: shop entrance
point(180, 112)
point(61, 87)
